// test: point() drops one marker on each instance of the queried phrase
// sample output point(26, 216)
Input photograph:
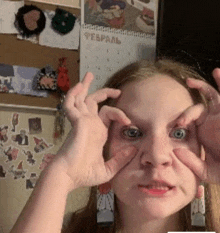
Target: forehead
point(157, 95)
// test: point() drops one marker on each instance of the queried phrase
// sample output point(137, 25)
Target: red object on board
point(63, 80)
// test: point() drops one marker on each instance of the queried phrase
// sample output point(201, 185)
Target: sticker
point(3, 134)
point(14, 121)
point(41, 145)
point(2, 172)
point(30, 156)
point(31, 182)
point(35, 125)
point(22, 138)
point(11, 153)
point(46, 159)
point(19, 172)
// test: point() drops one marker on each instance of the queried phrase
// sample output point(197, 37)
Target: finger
point(100, 96)
point(103, 94)
point(71, 95)
point(207, 90)
point(86, 82)
point(195, 113)
point(216, 75)
point(192, 161)
point(80, 98)
point(69, 108)
point(109, 114)
point(202, 153)
point(116, 163)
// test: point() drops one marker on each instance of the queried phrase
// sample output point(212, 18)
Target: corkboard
point(25, 53)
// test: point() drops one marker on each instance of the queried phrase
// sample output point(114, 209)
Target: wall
point(68, 3)
point(14, 192)
point(25, 53)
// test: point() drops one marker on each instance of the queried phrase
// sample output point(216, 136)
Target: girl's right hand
point(81, 155)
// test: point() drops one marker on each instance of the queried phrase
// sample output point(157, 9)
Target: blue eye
point(132, 133)
point(179, 133)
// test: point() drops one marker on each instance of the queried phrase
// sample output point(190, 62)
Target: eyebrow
point(140, 121)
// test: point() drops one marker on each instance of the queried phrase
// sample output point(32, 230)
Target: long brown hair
point(84, 220)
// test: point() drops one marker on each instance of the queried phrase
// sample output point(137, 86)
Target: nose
point(156, 151)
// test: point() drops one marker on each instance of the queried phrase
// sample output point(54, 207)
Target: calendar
point(105, 47)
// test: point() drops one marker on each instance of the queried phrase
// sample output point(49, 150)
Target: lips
point(156, 192)
point(157, 184)
point(156, 187)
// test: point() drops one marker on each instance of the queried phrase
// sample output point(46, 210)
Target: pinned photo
point(35, 125)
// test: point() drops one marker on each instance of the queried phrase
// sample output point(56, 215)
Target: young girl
point(154, 139)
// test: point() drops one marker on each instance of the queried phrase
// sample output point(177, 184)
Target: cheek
point(121, 183)
point(188, 181)
point(119, 147)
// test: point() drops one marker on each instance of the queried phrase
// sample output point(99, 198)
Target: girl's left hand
point(207, 121)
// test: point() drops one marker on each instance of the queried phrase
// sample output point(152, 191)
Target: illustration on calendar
point(131, 15)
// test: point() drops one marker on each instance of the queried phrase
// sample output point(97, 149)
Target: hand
point(81, 155)
point(207, 121)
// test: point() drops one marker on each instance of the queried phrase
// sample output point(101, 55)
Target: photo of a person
point(22, 138)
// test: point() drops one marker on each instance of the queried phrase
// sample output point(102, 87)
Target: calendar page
point(104, 51)
point(115, 33)
point(131, 15)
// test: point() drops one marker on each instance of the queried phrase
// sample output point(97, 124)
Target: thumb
point(192, 161)
point(117, 162)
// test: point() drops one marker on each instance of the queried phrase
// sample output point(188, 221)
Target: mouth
point(152, 190)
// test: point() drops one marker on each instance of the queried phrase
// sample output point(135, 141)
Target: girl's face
point(153, 106)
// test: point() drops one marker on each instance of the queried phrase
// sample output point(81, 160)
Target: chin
point(158, 211)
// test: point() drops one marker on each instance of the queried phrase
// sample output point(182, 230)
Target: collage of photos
point(131, 15)
point(21, 149)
